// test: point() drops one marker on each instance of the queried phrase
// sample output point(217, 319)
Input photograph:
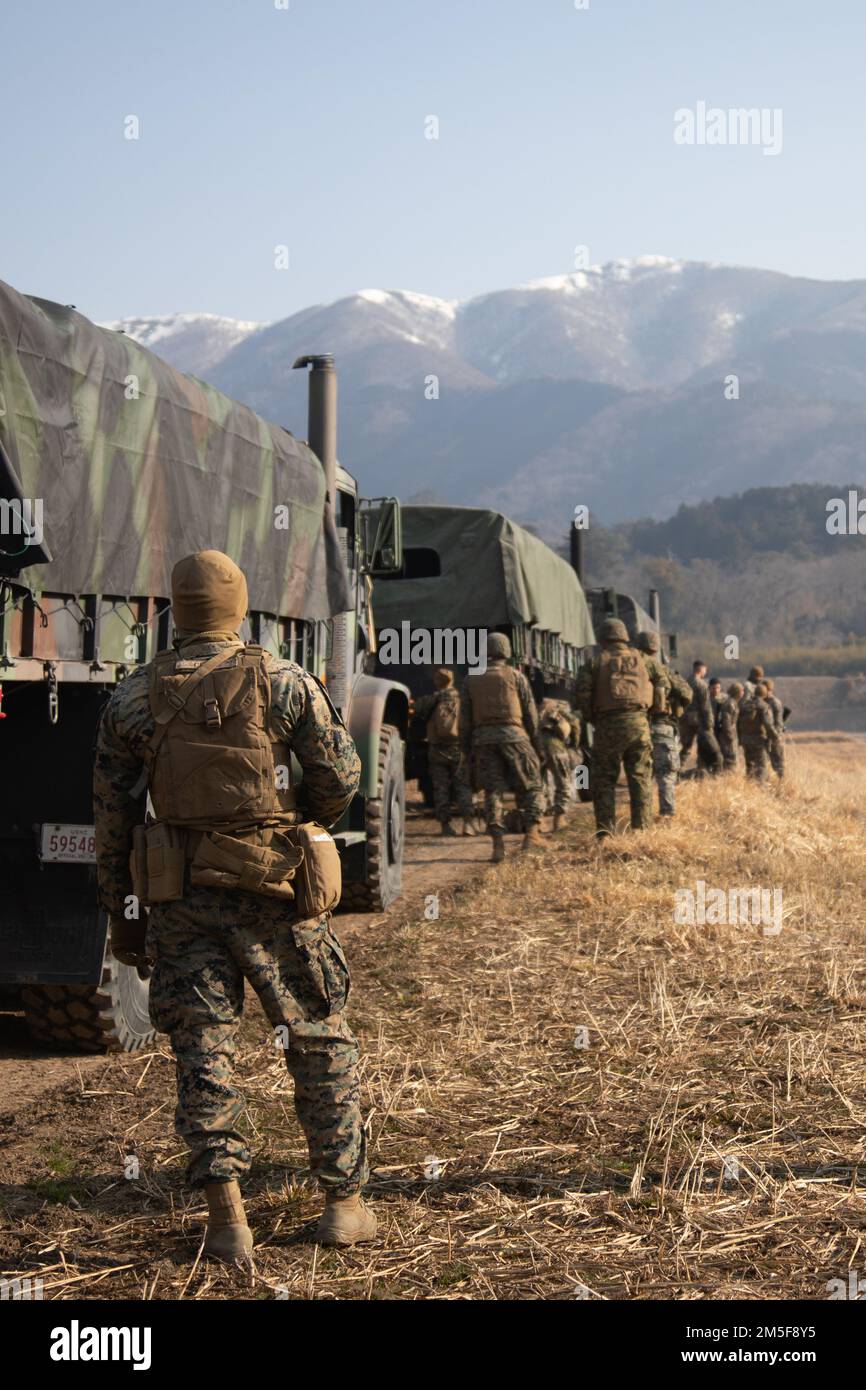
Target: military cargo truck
point(112, 466)
point(468, 568)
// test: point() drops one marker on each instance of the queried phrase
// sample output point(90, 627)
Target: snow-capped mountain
point(609, 385)
point(192, 342)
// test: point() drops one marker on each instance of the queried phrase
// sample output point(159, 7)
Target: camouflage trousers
point(558, 763)
point(756, 753)
point(621, 739)
point(450, 781)
point(689, 728)
point(503, 767)
point(709, 753)
point(776, 753)
point(666, 765)
point(729, 748)
point(206, 945)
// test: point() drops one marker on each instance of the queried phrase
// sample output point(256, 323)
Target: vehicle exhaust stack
point(577, 552)
point(322, 416)
point(654, 609)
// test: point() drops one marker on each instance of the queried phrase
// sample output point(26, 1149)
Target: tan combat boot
point(532, 839)
point(345, 1221)
point(498, 847)
point(558, 821)
point(447, 827)
point(468, 827)
point(228, 1236)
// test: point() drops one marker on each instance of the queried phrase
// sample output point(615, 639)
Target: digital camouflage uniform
point(621, 737)
point(729, 744)
point(664, 731)
point(504, 756)
point(445, 762)
point(206, 944)
point(756, 729)
point(557, 753)
point(698, 723)
point(776, 750)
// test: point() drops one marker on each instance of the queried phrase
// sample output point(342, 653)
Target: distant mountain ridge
point(605, 386)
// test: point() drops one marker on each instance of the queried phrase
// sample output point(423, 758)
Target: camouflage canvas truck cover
point(112, 466)
point(470, 568)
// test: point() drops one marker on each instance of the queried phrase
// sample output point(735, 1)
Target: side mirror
point(381, 535)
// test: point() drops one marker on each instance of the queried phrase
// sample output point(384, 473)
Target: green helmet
point(648, 642)
point(498, 645)
point(613, 630)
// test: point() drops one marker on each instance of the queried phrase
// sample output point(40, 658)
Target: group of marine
point(233, 899)
point(492, 736)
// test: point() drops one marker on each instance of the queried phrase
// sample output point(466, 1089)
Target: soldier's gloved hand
point(127, 941)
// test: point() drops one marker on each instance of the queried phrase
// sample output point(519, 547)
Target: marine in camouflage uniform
point(621, 735)
point(445, 761)
point(664, 728)
point(728, 714)
point(776, 750)
point(210, 940)
point(755, 674)
point(698, 722)
point(756, 729)
point(499, 732)
point(559, 731)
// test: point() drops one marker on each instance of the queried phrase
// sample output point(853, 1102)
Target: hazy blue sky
point(261, 126)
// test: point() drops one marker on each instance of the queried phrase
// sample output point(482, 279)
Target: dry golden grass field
point(707, 1141)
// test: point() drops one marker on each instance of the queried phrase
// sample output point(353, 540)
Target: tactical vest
point(443, 726)
point(493, 697)
point(212, 759)
point(622, 681)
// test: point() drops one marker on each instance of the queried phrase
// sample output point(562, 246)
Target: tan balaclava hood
point(208, 593)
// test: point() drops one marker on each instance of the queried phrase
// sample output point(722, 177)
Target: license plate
point(68, 844)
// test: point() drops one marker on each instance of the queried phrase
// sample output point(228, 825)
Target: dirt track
point(431, 865)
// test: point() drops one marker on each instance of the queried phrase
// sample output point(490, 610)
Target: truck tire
point(385, 824)
point(109, 1017)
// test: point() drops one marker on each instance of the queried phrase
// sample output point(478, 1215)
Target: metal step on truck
point(112, 466)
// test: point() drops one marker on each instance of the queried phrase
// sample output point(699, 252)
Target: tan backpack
point(751, 719)
point(212, 761)
point(622, 681)
point(212, 766)
point(494, 698)
point(443, 726)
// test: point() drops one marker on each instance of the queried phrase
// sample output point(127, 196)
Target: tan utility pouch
point(319, 881)
point(222, 861)
point(157, 862)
